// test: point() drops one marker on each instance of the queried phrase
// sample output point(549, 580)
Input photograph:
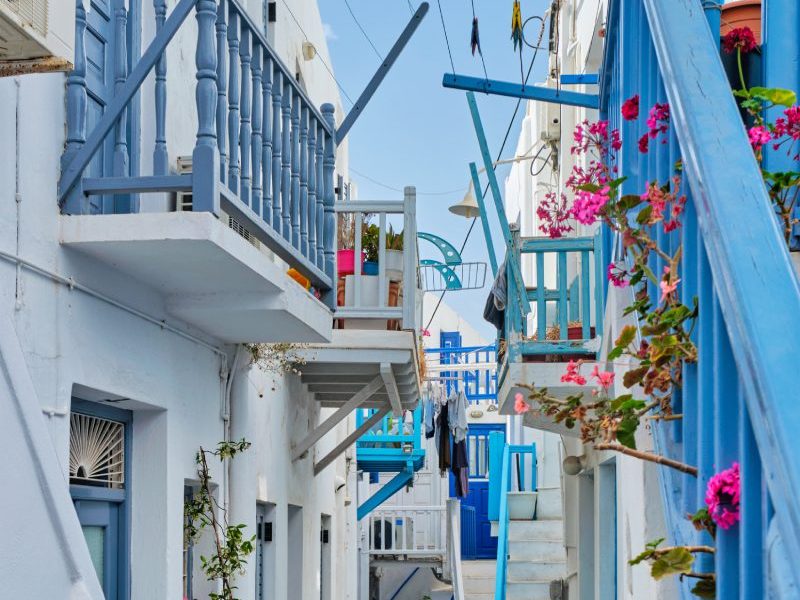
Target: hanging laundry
point(460, 468)
point(457, 407)
point(516, 25)
point(475, 40)
point(495, 309)
point(443, 439)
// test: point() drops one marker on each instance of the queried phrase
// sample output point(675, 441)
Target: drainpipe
point(17, 196)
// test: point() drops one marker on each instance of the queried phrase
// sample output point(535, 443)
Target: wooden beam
point(516, 90)
point(349, 440)
point(316, 434)
point(391, 388)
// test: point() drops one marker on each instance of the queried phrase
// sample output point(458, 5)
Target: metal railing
point(736, 402)
point(472, 369)
point(264, 154)
point(375, 304)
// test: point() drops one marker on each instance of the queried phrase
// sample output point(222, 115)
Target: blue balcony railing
point(739, 402)
point(264, 154)
point(473, 370)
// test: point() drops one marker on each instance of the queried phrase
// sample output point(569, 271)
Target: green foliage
point(370, 240)
point(705, 588)
point(394, 241)
point(675, 561)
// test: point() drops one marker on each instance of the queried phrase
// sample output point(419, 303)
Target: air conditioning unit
point(183, 202)
point(36, 36)
point(550, 124)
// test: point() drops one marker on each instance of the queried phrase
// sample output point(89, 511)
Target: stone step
point(478, 568)
point(536, 530)
point(471, 596)
point(548, 504)
point(521, 505)
point(528, 591)
point(540, 550)
point(479, 585)
point(535, 571)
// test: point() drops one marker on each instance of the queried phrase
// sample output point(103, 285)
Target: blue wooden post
point(751, 506)
point(304, 180)
point(277, 159)
point(563, 309)
point(76, 105)
point(320, 209)
point(256, 200)
point(222, 88)
point(266, 148)
point(296, 170)
point(233, 100)
point(120, 161)
point(497, 440)
point(541, 302)
point(312, 189)
point(329, 225)
point(160, 156)
point(487, 232)
point(205, 158)
point(245, 130)
point(286, 162)
point(585, 290)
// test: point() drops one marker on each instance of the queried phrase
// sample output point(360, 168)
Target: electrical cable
point(499, 154)
point(446, 40)
point(400, 190)
point(352, 14)
point(317, 54)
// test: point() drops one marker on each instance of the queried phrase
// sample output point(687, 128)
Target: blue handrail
point(477, 384)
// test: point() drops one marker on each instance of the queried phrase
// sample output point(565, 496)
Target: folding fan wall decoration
point(96, 451)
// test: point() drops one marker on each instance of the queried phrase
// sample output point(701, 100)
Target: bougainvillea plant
point(723, 495)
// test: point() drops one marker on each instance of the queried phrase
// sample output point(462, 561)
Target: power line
point(446, 40)
point(400, 190)
point(352, 14)
point(318, 55)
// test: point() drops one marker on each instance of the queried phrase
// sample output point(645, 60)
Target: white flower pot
point(394, 265)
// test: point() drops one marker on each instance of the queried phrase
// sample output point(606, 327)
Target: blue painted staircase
point(391, 446)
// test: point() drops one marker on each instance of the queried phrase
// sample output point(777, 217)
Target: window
point(96, 451)
point(188, 550)
point(295, 552)
point(265, 551)
point(325, 581)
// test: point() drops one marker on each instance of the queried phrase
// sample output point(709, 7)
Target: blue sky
point(414, 131)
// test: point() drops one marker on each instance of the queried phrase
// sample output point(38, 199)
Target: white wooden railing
point(408, 531)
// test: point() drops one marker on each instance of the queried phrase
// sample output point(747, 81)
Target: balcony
point(566, 296)
point(471, 369)
point(257, 185)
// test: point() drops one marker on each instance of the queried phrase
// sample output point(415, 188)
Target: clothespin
point(516, 25)
point(475, 40)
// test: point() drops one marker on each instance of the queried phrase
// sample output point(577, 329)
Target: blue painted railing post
point(256, 201)
point(160, 156)
point(245, 130)
point(222, 88)
point(304, 181)
point(312, 190)
point(205, 158)
point(233, 101)
point(497, 440)
point(266, 151)
point(296, 170)
point(120, 160)
point(277, 145)
point(320, 208)
point(329, 227)
point(76, 106)
point(286, 162)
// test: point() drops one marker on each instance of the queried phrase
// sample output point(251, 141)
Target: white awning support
point(387, 375)
point(350, 440)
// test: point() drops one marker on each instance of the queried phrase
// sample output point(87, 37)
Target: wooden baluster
point(277, 146)
point(222, 88)
point(245, 129)
point(160, 156)
point(329, 224)
point(266, 148)
point(205, 158)
point(257, 116)
point(320, 184)
point(304, 180)
point(120, 159)
point(296, 170)
point(286, 164)
point(76, 105)
point(312, 189)
point(233, 101)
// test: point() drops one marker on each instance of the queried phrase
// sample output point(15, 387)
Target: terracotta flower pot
point(742, 13)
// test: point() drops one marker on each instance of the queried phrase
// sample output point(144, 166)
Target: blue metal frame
point(121, 497)
point(516, 90)
point(487, 232)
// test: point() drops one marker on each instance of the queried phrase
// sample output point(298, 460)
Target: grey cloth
point(457, 416)
point(495, 309)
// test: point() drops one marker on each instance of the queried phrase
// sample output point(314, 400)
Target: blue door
point(485, 545)
point(101, 528)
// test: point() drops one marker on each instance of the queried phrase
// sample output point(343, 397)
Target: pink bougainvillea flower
point(759, 136)
point(723, 496)
point(740, 38)
point(658, 119)
point(588, 205)
point(573, 375)
point(616, 275)
point(603, 378)
point(630, 108)
point(520, 406)
point(644, 144)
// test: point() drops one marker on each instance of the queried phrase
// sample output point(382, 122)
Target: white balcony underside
point(209, 276)
point(541, 375)
point(335, 372)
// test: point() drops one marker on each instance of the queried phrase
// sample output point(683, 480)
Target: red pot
point(346, 263)
point(742, 13)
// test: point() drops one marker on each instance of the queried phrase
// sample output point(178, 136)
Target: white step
point(478, 568)
point(528, 591)
point(521, 505)
point(535, 571)
point(471, 596)
point(479, 585)
point(548, 504)
point(536, 530)
point(542, 550)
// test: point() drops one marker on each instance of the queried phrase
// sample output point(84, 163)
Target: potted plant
point(369, 244)
point(742, 13)
point(345, 255)
point(394, 255)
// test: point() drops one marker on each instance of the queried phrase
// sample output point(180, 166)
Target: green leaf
point(629, 201)
point(626, 336)
point(634, 376)
point(705, 588)
point(626, 431)
point(777, 96)
point(588, 187)
point(615, 353)
point(649, 273)
point(677, 561)
point(644, 215)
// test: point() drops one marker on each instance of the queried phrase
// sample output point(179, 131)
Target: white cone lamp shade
point(468, 207)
